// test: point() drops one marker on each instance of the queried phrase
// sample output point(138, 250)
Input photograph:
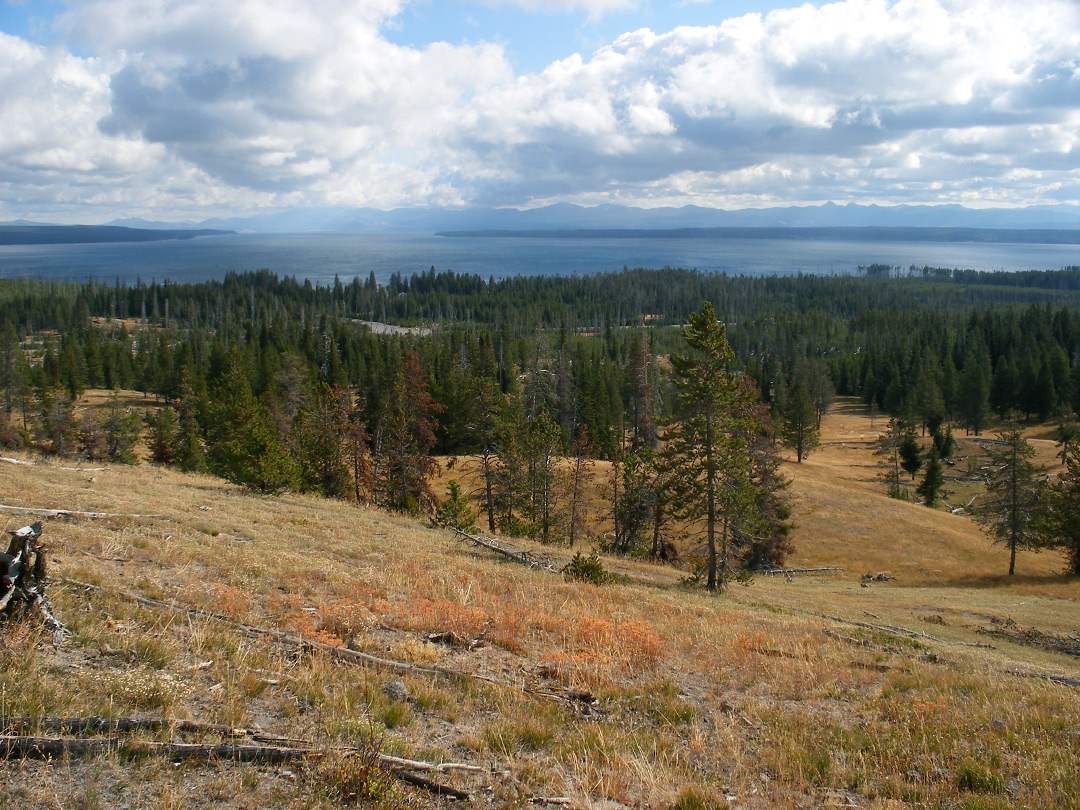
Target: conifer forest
point(686, 383)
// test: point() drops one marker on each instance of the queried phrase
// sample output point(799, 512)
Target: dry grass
point(743, 698)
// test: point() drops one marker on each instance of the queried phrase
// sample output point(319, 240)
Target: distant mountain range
point(868, 233)
point(566, 216)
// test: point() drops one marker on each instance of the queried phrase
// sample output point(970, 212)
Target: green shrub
point(454, 512)
point(352, 778)
point(586, 569)
point(697, 799)
point(976, 778)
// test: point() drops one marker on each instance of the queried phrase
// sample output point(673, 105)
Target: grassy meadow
point(933, 689)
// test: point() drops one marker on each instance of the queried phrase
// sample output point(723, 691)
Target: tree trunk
point(488, 494)
point(658, 515)
point(711, 496)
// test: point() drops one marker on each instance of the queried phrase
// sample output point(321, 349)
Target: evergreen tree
point(636, 503)
point(13, 366)
point(705, 451)
point(1058, 520)
point(814, 374)
point(90, 439)
point(641, 390)
point(944, 442)
point(973, 394)
point(1004, 387)
point(929, 402)
point(319, 441)
point(242, 443)
point(485, 432)
point(357, 452)
point(889, 452)
point(56, 426)
point(509, 482)
point(768, 543)
point(122, 429)
point(541, 451)
point(910, 453)
point(187, 450)
point(799, 426)
point(10, 436)
point(1044, 397)
point(72, 368)
point(1067, 435)
point(161, 435)
point(404, 437)
point(581, 454)
point(1012, 493)
point(454, 511)
point(933, 481)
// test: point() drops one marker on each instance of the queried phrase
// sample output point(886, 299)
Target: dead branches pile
point(23, 578)
point(1032, 637)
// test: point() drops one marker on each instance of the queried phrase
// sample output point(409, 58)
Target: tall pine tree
point(706, 444)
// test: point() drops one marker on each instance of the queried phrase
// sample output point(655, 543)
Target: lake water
point(320, 257)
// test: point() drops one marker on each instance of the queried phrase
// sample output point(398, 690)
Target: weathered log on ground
point(127, 725)
point(55, 747)
point(17, 746)
point(510, 553)
point(772, 572)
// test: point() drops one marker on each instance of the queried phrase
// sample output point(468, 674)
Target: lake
point(320, 257)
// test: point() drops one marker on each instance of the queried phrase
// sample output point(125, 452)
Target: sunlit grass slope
point(893, 696)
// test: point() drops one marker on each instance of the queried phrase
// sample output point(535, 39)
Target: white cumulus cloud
point(174, 106)
point(835, 87)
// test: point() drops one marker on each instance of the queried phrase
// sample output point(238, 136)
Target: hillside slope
point(814, 692)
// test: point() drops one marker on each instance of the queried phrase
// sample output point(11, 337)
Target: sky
point(185, 109)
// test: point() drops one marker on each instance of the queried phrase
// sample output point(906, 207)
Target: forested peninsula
point(89, 234)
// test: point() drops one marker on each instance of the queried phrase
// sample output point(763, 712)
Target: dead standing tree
point(23, 577)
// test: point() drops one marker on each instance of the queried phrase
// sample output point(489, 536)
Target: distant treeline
point(957, 342)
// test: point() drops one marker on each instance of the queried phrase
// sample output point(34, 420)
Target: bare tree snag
point(23, 578)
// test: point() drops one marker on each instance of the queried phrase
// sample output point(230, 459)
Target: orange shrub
point(344, 617)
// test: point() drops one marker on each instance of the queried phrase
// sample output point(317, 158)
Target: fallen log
point(127, 725)
point(117, 725)
point(68, 469)
point(769, 572)
point(55, 747)
point(417, 765)
point(510, 553)
point(81, 747)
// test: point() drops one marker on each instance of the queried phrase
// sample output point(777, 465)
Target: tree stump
point(23, 579)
